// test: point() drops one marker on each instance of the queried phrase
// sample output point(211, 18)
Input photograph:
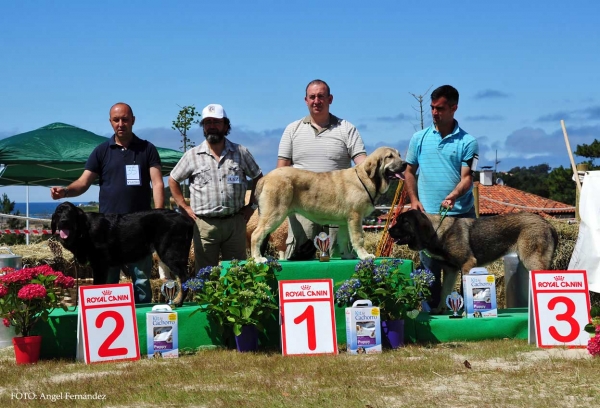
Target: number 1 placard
point(307, 317)
point(106, 324)
point(559, 308)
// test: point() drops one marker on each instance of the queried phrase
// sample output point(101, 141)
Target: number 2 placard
point(107, 326)
point(307, 317)
point(559, 308)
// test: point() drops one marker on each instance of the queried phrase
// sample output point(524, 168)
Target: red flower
point(32, 291)
point(594, 343)
point(61, 280)
point(23, 276)
point(6, 322)
point(28, 295)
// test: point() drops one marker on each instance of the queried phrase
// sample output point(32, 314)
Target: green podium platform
point(59, 333)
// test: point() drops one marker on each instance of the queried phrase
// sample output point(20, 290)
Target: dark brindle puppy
point(464, 243)
point(106, 240)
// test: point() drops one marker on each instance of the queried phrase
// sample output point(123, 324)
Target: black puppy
point(106, 240)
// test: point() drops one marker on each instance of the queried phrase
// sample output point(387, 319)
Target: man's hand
point(416, 205)
point(188, 211)
point(448, 202)
point(58, 192)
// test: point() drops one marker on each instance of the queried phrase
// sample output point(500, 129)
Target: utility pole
point(419, 99)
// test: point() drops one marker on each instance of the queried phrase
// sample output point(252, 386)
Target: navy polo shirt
point(108, 161)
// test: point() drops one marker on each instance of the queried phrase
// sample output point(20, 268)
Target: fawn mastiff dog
point(341, 197)
point(464, 243)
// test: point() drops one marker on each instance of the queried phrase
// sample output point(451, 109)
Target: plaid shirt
point(211, 194)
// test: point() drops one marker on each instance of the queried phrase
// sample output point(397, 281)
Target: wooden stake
point(573, 166)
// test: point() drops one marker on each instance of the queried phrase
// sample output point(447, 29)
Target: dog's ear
point(82, 222)
point(370, 166)
point(53, 223)
point(423, 227)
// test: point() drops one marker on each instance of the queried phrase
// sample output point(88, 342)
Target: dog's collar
point(365, 187)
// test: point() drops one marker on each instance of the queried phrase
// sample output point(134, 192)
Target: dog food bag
point(161, 332)
point(363, 328)
point(479, 288)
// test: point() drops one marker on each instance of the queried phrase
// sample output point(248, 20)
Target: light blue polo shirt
point(440, 161)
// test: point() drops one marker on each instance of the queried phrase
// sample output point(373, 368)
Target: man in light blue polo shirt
point(446, 157)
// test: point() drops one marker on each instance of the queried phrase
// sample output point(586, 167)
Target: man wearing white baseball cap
point(218, 170)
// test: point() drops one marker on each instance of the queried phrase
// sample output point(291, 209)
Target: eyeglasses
point(212, 122)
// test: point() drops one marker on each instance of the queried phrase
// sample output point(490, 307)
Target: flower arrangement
point(397, 295)
point(29, 294)
point(245, 294)
point(593, 346)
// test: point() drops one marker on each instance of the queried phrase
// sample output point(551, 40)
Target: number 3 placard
point(307, 317)
point(107, 326)
point(559, 308)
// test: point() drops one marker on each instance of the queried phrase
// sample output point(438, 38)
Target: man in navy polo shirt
point(124, 165)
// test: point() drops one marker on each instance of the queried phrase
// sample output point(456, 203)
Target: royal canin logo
point(106, 292)
point(305, 287)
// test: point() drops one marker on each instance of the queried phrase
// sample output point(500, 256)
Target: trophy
point(323, 242)
point(455, 302)
point(170, 290)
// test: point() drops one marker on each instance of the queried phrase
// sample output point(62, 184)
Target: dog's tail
point(257, 191)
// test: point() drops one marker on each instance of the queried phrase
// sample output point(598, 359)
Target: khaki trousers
point(219, 236)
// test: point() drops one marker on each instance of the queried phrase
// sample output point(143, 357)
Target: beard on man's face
point(213, 136)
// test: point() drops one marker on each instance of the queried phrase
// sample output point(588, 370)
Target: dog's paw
point(260, 259)
point(367, 256)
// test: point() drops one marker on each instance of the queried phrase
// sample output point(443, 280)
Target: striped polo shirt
point(440, 161)
point(332, 148)
point(218, 188)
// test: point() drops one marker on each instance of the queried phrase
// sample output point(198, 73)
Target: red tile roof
point(498, 199)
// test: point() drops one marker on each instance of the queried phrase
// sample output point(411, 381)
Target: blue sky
point(519, 66)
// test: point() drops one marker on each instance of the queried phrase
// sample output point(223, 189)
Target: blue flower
point(423, 277)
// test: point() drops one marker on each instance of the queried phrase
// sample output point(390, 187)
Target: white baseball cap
point(214, 110)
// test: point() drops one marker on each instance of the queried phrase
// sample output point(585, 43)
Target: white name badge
point(233, 179)
point(132, 172)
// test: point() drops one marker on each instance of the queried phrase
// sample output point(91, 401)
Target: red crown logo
point(559, 278)
point(107, 292)
point(305, 287)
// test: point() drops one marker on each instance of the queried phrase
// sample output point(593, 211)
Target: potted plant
point(398, 296)
point(242, 297)
point(26, 296)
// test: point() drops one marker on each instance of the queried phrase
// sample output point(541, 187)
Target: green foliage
point(7, 207)
point(561, 185)
point(532, 179)
point(244, 294)
point(397, 295)
point(186, 117)
point(591, 151)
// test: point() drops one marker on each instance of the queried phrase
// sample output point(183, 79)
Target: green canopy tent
point(55, 155)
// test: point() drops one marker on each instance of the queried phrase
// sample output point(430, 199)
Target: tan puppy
point(341, 197)
point(464, 243)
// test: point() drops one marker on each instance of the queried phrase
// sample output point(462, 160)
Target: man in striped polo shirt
point(319, 142)
point(446, 156)
point(218, 170)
